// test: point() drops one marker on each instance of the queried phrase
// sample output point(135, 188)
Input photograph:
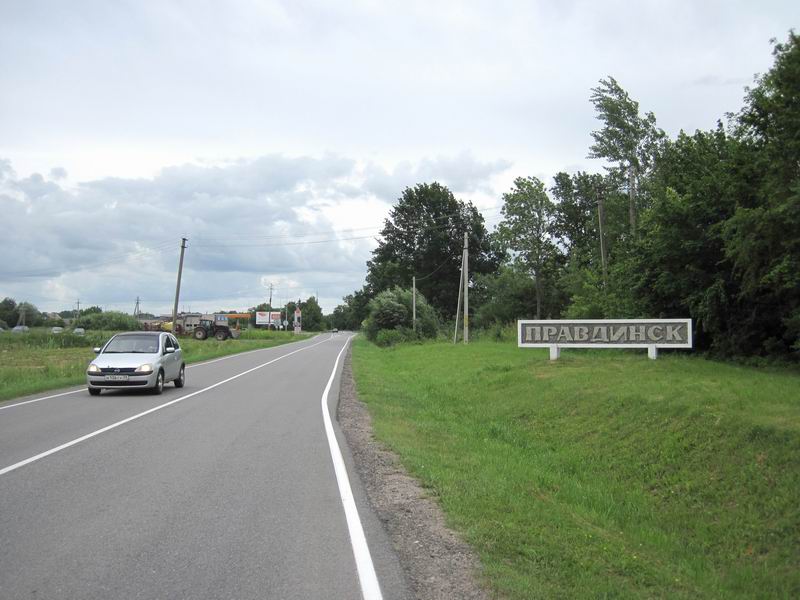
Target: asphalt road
point(230, 491)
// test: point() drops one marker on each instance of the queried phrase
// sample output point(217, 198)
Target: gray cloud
point(112, 239)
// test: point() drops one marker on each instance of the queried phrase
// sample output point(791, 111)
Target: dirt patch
point(439, 565)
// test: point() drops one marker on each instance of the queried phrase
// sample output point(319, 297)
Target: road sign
point(605, 333)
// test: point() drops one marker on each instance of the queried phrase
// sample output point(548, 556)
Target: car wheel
point(221, 336)
point(94, 391)
point(159, 387)
point(181, 380)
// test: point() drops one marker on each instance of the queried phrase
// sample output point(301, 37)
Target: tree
point(423, 236)
point(678, 267)
point(312, 314)
point(352, 313)
point(761, 237)
point(8, 311)
point(33, 317)
point(526, 228)
point(504, 296)
point(625, 138)
point(391, 310)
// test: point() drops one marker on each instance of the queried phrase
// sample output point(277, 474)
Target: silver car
point(137, 360)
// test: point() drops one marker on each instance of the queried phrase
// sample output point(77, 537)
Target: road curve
point(223, 489)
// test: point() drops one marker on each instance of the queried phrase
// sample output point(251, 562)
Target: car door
point(170, 370)
point(178, 356)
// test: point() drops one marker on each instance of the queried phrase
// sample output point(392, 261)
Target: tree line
point(703, 225)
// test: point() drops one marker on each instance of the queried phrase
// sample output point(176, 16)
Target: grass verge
point(38, 361)
point(603, 474)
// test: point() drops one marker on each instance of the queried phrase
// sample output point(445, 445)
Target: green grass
point(38, 361)
point(603, 474)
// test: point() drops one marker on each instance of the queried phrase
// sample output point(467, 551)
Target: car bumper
point(133, 381)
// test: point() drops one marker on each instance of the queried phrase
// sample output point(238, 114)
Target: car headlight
point(144, 369)
point(93, 369)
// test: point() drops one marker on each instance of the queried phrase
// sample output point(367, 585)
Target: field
point(39, 361)
point(603, 474)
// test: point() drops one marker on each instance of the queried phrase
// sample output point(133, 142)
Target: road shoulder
point(437, 563)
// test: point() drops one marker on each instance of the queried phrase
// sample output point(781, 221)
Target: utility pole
point(414, 303)
point(136, 309)
point(601, 220)
point(466, 289)
point(632, 197)
point(178, 285)
point(77, 310)
point(21, 317)
point(458, 306)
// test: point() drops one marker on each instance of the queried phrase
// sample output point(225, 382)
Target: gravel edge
point(438, 564)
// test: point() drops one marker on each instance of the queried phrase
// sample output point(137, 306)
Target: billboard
point(268, 318)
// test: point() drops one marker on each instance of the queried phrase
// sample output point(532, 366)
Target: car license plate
point(116, 378)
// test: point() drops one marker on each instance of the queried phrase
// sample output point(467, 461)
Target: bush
point(391, 310)
point(111, 320)
point(390, 337)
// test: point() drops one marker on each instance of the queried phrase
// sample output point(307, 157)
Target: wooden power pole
point(178, 285)
point(414, 303)
point(466, 289)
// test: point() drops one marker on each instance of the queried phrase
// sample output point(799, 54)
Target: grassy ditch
point(37, 361)
point(603, 474)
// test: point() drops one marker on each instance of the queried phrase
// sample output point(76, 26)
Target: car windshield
point(132, 344)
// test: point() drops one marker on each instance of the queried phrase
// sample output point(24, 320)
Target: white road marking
point(83, 438)
point(198, 364)
point(370, 589)
point(40, 399)
point(213, 360)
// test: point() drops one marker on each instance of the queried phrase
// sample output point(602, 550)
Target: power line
point(199, 237)
point(168, 245)
point(245, 244)
point(113, 259)
point(447, 260)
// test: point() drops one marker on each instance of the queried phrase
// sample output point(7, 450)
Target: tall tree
point(626, 138)
point(8, 311)
point(352, 313)
point(762, 236)
point(679, 267)
point(423, 237)
point(312, 314)
point(528, 215)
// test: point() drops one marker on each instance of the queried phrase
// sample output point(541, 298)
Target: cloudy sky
point(276, 135)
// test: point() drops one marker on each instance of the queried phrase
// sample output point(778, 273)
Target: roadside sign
point(267, 318)
point(605, 333)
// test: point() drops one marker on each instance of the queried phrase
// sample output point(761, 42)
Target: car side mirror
point(169, 350)
point(97, 350)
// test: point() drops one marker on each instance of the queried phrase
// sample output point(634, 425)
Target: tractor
point(216, 326)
